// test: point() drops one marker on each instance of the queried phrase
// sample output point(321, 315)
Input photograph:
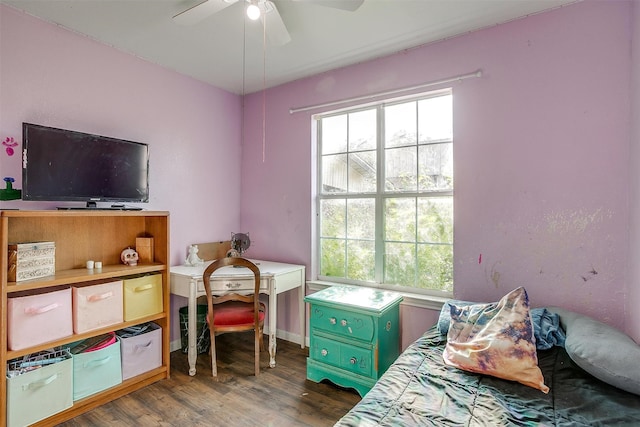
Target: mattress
point(420, 390)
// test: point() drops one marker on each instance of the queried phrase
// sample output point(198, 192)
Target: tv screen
point(64, 165)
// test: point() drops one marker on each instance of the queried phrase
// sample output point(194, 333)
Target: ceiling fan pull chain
point(264, 85)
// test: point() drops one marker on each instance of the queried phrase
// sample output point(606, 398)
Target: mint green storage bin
point(96, 371)
point(38, 394)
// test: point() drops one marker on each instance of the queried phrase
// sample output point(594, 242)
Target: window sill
point(429, 302)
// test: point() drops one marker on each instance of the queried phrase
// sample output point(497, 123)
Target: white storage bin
point(141, 353)
point(34, 319)
point(97, 306)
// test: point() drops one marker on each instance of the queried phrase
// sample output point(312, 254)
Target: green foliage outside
point(418, 243)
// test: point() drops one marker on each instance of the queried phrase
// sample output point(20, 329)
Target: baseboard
point(175, 345)
point(283, 335)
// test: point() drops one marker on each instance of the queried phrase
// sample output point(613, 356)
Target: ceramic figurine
point(129, 257)
point(193, 259)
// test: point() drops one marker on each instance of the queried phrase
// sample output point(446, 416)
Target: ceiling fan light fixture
point(253, 11)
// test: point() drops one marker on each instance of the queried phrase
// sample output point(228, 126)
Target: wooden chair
point(233, 312)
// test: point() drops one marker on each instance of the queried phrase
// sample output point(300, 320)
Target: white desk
point(275, 278)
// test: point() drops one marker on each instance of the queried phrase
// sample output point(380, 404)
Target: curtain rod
point(477, 73)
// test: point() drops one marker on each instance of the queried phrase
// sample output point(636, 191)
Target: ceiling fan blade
point(349, 5)
point(277, 32)
point(202, 10)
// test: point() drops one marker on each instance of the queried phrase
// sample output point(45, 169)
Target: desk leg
point(273, 315)
point(302, 313)
point(192, 352)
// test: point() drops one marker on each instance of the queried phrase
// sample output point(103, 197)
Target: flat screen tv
point(65, 165)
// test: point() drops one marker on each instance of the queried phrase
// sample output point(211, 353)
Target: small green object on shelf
point(9, 193)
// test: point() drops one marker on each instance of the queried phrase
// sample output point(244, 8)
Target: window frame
point(380, 195)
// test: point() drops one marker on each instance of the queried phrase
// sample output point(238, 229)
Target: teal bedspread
point(420, 390)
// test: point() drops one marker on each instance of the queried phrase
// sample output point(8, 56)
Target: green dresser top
point(354, 296)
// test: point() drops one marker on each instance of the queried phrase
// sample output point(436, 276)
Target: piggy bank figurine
point(129, 257)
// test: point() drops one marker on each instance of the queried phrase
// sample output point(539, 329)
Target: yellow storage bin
point(142, 296)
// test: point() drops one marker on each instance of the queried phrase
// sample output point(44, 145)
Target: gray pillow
point(601, 350)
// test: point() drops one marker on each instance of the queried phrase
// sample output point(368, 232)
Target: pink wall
point(633, 284)
point(541, 157)
point(541, 148)
point(54, 77)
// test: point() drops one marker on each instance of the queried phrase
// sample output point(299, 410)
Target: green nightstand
point(354, 335)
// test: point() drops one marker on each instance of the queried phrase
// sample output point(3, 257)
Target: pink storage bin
point(34, 319)
point(97, 306)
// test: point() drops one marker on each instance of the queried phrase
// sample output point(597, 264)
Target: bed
point(421, 389)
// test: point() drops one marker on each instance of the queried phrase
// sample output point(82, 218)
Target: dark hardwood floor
point(279, 397)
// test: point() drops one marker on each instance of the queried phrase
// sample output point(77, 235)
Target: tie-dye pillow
point(496, 339)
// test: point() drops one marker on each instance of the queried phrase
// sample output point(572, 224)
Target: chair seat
point(236, 313)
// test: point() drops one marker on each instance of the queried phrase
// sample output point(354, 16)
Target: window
point(385, 194)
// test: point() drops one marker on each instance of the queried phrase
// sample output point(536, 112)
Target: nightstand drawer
point(348, 357)
point(342, 322)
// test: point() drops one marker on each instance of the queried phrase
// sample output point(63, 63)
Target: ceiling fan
point(265, 10)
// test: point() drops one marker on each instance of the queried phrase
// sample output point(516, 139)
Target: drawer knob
point(233, 285)
point(343, 322)
point(333, 321)
point(353, 360)
point(324, 352)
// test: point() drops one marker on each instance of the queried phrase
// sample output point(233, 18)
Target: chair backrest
point(232, 296)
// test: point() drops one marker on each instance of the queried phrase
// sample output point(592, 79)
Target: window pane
point(333, 215)
point(334, 134)
point(332, 257)
point(362, 130)
point(401, 169)
point(435, 167)
point(362, 172)
point(435, 119)
point(400, 124)
point(361, 219)
point(435, 220)
point(400, 220)
point(435, 267)
point(334, 173)
point(400, 264)
point(362, 263)
point(399, 155)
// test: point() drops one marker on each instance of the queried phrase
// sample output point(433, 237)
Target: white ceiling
point(323, 38)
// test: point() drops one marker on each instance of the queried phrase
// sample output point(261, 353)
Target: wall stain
point(495, 278)
point(495, 275)
point(590, 274)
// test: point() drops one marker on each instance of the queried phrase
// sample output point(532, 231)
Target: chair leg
point(262, 340)
point(257, 345)
point(214, 367)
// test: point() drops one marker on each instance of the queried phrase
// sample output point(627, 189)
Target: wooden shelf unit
point(79, 236)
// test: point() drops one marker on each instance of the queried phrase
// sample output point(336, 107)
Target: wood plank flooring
point(279, 397)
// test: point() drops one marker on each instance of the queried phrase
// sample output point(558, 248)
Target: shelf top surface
point(80, 212)
point(356, 296)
